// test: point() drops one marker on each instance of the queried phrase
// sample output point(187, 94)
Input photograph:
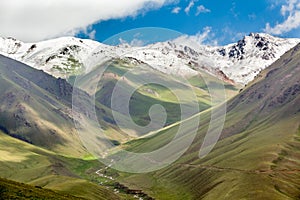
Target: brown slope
point(36, 108)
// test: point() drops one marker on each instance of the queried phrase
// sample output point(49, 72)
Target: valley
point(42, 135)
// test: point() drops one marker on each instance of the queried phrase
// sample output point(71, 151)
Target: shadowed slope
point(35, 107)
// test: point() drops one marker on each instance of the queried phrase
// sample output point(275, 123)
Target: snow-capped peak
point(238, 62)
point(59, 57)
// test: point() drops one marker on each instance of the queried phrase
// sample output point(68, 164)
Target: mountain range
point(257, 155)
point(237, 63)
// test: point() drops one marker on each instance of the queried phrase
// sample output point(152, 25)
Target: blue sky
point(211, 21)
point(227, 20)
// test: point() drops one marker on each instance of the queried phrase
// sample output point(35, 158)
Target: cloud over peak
point(35, 20)
point(291, 12)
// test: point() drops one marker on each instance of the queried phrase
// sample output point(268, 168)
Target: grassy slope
point(14, 190)
point(258, 156)
point(26, 163)
point(146, 96)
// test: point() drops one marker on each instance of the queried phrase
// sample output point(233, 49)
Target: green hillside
point(130, 77)
point(27, 163)
point(258, 154)
point(19, 191)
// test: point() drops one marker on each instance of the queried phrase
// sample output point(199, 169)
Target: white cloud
point(87, 31)
point(137, 43)
point(92, 34)
point(291, 12)
point(188, 8)
point(202, 9)
point(273, 4)
point(34, 20)
point(176, 10)
point(201, 37)
point(134, 42)
point(204, 37)
point(292, 22)
point(288, 8)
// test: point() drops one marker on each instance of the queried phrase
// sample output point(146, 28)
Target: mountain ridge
point(234, 63)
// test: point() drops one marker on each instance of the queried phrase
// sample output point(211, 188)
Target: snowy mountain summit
point(241, 61)
point(236, 63)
